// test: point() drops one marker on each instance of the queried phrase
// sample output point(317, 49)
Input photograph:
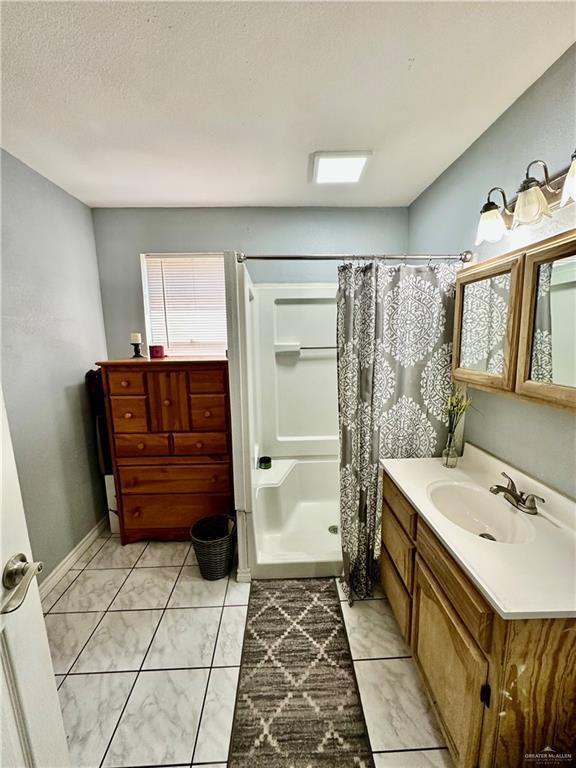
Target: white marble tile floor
point(147, 658)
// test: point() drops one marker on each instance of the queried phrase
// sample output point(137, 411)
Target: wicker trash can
point(214, 539)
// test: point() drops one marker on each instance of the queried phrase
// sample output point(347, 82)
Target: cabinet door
point(168, 401)
point(452, 665)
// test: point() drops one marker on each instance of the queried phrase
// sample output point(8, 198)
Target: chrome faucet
point(526, 502)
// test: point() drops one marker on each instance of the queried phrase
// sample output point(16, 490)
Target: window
point(185, 303)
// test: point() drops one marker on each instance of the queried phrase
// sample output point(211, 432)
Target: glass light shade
point(531, 207)
point(491, 227)
point(569, 188)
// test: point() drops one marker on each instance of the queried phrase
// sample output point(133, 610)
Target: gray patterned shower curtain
point(394, 333)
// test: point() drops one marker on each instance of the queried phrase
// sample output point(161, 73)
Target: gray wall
point(122, 234)
point(541, 124)
point(53, 331)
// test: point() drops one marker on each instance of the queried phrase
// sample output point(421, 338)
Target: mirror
point(547, 346)
point(486, 321)
point(484, 318)
point(553, 359)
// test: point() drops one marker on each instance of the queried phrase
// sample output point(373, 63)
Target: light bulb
point(569, 188)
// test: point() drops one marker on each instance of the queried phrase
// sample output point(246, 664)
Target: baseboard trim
point(243, 575)
point(64, 566)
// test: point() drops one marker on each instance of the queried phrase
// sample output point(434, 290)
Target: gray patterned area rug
point(297, 704)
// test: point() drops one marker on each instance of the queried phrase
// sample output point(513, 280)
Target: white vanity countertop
point(529, 580)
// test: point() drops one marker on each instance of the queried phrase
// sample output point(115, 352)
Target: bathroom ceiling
point(215, 103)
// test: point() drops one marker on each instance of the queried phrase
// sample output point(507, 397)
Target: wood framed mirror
point(487, 321)
point(547, 344)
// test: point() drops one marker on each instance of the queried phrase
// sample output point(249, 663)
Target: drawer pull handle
point(140, 446)
point(199, 445)
point(128, 415)
point(124, 383)
point(137, 512)
point(167, 402)
point(207, 414)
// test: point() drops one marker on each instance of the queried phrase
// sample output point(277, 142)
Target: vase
point(450, 454)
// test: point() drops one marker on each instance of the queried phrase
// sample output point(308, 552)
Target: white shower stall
point(287, 340)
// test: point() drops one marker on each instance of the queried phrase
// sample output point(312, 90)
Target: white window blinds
point(186, 303)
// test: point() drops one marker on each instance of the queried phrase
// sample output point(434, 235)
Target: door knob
point(18, 575)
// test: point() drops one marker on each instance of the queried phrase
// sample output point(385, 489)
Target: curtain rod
point(464, 257)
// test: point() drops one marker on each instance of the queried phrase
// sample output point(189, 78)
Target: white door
point(32, 728)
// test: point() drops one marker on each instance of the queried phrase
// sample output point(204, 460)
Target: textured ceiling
point(146, 103)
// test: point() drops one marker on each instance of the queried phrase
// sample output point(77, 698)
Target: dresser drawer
point(198, 443)
point(126, 383)
point(399, 546)
point(207, 380)
point(129, 414)
point(397, 595)
point(208, 413)
point(142, 445)
point(171, 510)
point(177, 478)
point(475, 613)
point(405, 513)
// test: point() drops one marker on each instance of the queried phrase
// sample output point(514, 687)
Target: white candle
point(135, 338)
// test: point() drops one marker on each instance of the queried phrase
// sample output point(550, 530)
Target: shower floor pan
point(296, 519)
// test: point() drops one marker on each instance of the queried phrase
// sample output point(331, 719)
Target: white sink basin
point(479, 512)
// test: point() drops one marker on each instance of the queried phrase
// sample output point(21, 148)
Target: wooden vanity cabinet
point(500, 688)
point(451, 664)
point(169, 426)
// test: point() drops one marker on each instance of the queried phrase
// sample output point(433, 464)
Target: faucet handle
point(529, 502)
point(511, 483)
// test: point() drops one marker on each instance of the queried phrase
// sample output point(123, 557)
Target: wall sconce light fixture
point(569, 189)
point(492, 227)
point(531, 205)
point(535, 200)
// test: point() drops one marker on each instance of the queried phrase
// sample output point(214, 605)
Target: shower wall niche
point(294, 419)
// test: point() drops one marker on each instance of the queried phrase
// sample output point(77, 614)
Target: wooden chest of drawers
point(169, 425)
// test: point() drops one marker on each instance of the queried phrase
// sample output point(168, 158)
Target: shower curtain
point(394, 332)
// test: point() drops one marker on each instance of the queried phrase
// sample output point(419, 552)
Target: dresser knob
point(199, 445)
point(128, 415)
point(140, 446)
point(137, 512)
point(167, 402)
point(124, 383)
point(207, 414)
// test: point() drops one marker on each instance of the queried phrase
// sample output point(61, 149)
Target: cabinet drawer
point(171, 510)
point(198, 443)
point(399, 546)
point(126, 383)
point(208, 413)
point(129, 414)
point(397, 595)
point(474, 611)
point(178, 478)
point(207, 380)
point(405, 513)
point(142, 445)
